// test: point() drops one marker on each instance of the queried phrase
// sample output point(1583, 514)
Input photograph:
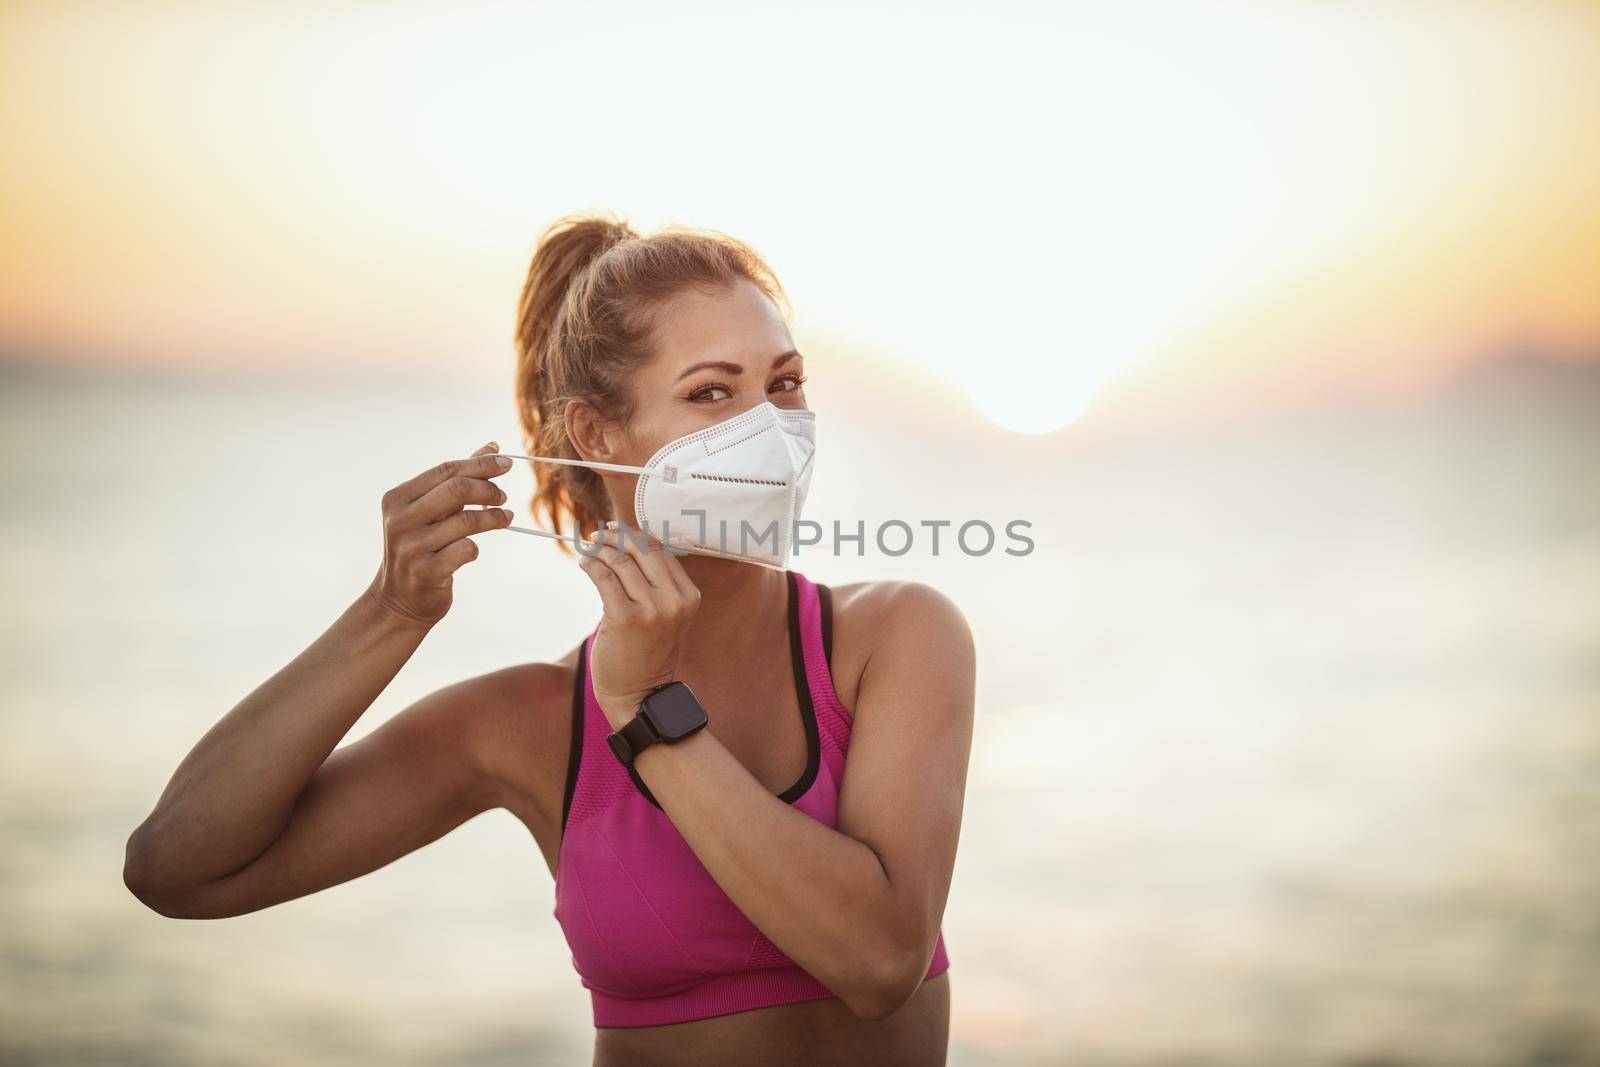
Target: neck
point(742, 606)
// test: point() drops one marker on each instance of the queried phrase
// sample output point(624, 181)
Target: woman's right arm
point(259, 811)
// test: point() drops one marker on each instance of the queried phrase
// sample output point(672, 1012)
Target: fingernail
point(503, 462)
point(611, 524)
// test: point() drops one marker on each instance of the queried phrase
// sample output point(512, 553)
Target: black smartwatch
point(670, 713)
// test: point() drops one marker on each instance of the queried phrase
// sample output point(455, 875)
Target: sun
point(1042, 401)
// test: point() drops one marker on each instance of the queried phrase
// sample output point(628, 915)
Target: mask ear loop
point(545, 533)
point(620, 468)
point(666, 474)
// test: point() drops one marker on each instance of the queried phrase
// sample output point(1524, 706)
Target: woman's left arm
point(859, 906)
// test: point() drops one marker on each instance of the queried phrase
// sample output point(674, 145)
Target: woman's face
point(717, 355)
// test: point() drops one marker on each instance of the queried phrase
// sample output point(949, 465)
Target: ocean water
point(1287, 747)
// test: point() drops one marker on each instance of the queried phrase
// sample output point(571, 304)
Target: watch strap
point(635, 736)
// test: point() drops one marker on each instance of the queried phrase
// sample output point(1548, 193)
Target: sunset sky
point(1162, 201)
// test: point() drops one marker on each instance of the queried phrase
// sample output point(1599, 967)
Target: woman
point(741, 893)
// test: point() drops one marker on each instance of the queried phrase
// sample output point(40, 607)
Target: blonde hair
point(586, 321)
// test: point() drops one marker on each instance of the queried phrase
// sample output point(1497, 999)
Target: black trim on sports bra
point(575, 747)
point(808, 711)
point(825, 603)
point(802, 688)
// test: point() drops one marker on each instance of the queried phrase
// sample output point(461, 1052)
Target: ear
point(592, 436)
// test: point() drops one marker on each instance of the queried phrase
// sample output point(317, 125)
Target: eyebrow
point(734, 368)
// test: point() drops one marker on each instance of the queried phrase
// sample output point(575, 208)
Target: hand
point(648, 602)
point(425, 528)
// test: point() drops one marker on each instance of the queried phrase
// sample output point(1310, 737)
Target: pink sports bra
point(654, 939)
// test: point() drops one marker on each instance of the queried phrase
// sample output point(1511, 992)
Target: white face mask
point(734, 489)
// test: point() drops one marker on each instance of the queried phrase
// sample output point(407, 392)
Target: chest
point(755, 711)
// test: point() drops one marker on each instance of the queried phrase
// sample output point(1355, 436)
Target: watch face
point(674, 711)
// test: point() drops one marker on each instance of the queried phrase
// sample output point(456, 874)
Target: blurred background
point(1280, 324)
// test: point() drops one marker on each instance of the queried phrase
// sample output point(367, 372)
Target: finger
point(624, 566)
point(449, 559)
point(680, 578)
point(468, 521)
point(481, 464)
point(668, 574)
point(647, 552)
point(614, 599)
point(451, 495)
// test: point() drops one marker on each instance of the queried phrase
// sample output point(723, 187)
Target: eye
point(708, 393)
point(787, 383)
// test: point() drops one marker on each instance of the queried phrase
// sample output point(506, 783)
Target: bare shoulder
point(886, 608)
point(893, 625)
